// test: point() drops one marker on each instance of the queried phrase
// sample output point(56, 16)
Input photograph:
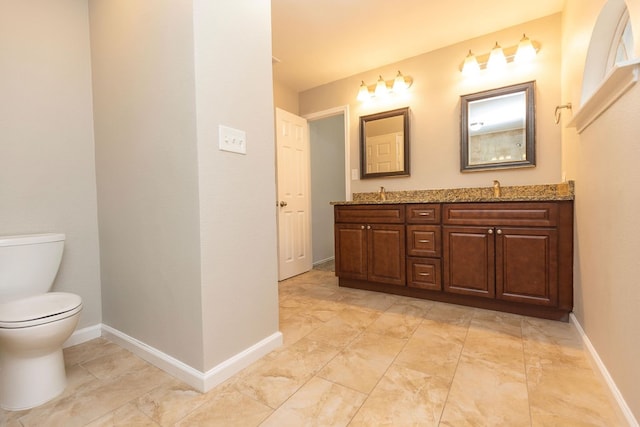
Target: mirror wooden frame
point(364, 120)
point(528, 89)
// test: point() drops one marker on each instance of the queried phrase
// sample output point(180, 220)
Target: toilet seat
point(38, 309)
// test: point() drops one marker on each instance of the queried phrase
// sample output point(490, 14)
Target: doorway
point(328, 147)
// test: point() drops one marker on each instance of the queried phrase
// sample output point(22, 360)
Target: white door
point(385, 153)
point(293, 204)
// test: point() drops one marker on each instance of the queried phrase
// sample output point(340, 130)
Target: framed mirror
point(384, 144)
point(497, 128)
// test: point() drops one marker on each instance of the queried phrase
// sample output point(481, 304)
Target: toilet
point(34, 323)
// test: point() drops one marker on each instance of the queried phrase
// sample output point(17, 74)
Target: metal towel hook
point(558, 113)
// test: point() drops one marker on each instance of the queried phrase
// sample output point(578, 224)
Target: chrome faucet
point(496, 188)
point(382, 194)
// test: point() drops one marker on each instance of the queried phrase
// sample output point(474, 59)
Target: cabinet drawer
point(423, 214)
point(374, 214)
point(424, 273)
point(514, 213)
point(424, 240)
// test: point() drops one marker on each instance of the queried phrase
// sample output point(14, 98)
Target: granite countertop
point(530, 193)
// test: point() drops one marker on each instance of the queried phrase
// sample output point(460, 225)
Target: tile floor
point(354, 358)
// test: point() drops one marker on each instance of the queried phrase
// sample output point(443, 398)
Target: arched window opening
point(611, 66)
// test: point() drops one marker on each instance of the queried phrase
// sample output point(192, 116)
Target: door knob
point(283, 204)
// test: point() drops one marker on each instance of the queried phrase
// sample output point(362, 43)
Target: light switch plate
point(232, 140)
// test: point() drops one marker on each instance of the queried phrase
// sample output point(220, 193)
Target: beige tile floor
point(354, 358)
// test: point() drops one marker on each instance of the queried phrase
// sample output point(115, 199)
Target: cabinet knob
point(368, 227)
point(499, 231)
point(490, 231)
point(362, 227)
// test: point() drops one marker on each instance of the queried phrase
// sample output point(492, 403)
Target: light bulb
point(497, 60)
point(475, 126)
point(399, 84)
point(363, 93)
point(471, 66)
point(526, 52)
point(381, 87)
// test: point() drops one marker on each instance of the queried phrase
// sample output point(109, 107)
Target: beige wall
point(147, 172)
point(237, 192)
point(47, 174)
point(603, 162)
point(189, 248)
point(434, 100)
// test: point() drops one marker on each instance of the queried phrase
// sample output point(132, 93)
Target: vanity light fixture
point(382, 88)
point(525, 51)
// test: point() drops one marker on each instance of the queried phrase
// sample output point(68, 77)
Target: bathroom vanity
point(511, 253)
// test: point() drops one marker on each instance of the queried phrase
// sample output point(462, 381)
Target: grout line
point(446, 400)
point(526, 375)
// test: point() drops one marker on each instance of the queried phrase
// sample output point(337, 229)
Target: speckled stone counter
point(523, 193)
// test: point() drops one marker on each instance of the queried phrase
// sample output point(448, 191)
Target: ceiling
point(320, 41)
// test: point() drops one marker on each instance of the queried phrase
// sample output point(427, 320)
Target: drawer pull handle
point(424, 213)
point(424, 274)
point(423, 241)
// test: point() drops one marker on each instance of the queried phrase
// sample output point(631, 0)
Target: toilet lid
point(38, 309)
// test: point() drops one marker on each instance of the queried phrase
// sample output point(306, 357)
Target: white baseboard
point(235, 364)
point(595, 358)
point(202, 382)
point(322, 261)
point(83, 335)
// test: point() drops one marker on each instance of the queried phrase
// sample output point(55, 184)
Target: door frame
point(344, 110)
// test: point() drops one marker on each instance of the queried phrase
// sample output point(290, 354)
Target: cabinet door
point(527, 265)
point(469, 261)
point(386, 248)
point(351, 251)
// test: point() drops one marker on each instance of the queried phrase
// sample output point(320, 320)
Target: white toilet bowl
point(32, 331)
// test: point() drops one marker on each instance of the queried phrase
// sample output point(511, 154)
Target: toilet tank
point(29, 264)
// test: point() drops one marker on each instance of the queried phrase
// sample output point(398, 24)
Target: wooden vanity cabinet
point(508, 256)
point(370, 243)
